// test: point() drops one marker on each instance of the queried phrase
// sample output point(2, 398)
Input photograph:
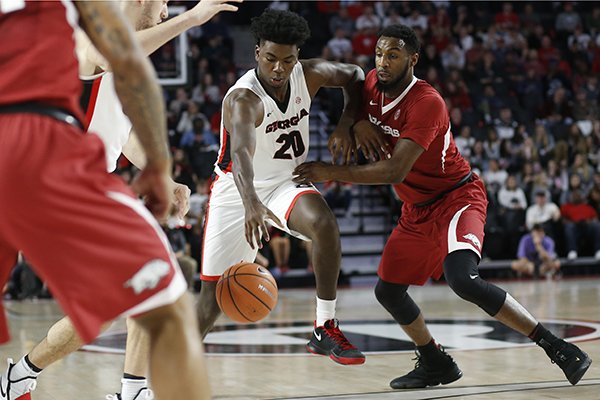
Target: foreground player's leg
point(433, 366)
point(312, 218)
point(461, 266)
point(134, 385)
point(174, 336)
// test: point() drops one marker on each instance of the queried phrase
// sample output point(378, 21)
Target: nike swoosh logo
point(372, 103)
point(317, 335)
point(473, 276)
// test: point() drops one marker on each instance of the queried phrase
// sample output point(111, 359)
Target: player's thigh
point(283, 199)
point(411, 257)
point(98, 248)
point(224, 234)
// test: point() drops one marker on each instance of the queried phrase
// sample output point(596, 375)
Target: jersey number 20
point(291, 140)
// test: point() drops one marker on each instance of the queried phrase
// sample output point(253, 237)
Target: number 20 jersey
point(282, 137)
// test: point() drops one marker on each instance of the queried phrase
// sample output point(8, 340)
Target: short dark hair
point(405, 33)
point(281, 27)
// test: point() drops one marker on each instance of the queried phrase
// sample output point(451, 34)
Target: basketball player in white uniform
point(105, 117)
point(264, 136)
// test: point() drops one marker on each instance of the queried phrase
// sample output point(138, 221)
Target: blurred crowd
point(521, 81)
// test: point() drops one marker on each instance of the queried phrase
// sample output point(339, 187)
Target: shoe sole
point(340, 360)
point(453, 376)
point(576, 377)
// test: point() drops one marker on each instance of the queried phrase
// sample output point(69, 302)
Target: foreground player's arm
point(387, 171)
point(321, 73)
point(138, 90)
point(152, 38)
point(181, 193)
point(242, 112)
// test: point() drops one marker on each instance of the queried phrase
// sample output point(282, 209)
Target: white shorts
point(224, 234)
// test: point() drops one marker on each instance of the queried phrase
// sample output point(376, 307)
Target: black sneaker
point(328, 340)
point(568, 357)
point(428, 373)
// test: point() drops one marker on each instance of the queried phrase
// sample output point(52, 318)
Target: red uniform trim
point(89, 113)
point(289, 211)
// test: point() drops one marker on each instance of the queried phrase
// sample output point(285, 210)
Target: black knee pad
point(396, 301)
point(462, 275)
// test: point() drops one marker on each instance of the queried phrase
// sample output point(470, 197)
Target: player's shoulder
point(423, 92)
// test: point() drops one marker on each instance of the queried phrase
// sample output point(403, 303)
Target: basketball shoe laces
point(338, 337)
point(419, 358)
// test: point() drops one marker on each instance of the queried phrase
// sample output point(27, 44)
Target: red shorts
point(86, 235)
point(417, 247)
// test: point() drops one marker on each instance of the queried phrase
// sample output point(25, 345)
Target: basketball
point(246, 292)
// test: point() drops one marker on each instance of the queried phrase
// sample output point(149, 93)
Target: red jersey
point(37, 55)
point(418, 114)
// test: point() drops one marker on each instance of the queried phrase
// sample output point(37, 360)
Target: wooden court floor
point(267, 360)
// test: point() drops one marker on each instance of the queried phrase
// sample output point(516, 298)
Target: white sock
point(131, 387)
point(325, 310)
point(21, 370)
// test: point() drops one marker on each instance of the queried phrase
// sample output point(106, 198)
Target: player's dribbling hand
point(152, 183)
point(206, 9)
point(312, 172)
point(255, 224)
point(371, 141)
point(341, 146)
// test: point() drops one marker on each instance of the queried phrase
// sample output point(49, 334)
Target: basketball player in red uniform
point(106, 118)
point(73, 220)
point(443, 216)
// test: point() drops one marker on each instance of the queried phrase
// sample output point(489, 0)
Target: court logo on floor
point(376, 336)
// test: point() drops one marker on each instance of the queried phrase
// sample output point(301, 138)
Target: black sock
point(135, 377)
point(539, 333)
point(31, 365)
point(430, 351)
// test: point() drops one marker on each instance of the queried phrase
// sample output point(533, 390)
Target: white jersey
point(104, 115)
point(282, 137)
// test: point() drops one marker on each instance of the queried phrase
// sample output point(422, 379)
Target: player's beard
point(390, 86)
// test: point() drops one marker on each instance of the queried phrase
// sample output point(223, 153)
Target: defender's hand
point(371, 141)
point(153, 184)
point(312, 172)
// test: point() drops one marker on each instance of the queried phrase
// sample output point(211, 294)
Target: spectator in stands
point(574, 184)
point(544, 142)
point(418, 21)
point(511, 196)
point(507, 19)
point(495, 177)
point(543, 212)
point(464, 141)
point(453, 56)
point(568, 20)
point(368, 20)
point(505, 124)
point(342, 20)
point(536, 254)
point(392, 17)
point(340, 46)
point(280, 246)
point(580, 221)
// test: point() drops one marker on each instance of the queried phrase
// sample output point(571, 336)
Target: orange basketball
point(246, 292)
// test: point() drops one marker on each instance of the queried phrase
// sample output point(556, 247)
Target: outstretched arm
point(152, 38)
point(350, 78)
point(387, 171)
